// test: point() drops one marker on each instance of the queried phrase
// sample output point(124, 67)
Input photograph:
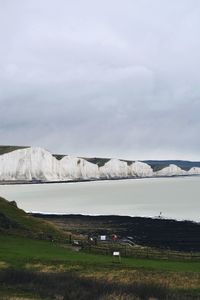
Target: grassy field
point(17, 251)
point(37, 262)
point(27, 258)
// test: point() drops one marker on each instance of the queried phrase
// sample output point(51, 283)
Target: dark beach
point(153, 232)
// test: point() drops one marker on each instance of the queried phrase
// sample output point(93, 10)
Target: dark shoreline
point(153, 232)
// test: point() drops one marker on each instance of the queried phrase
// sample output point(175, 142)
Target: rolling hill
point(14, 221)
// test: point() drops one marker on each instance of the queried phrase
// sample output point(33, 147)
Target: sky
point(101, 78)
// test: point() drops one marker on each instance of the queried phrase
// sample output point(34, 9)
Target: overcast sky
point(105, 78)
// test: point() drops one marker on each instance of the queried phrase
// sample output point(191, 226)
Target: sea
point(175, 197)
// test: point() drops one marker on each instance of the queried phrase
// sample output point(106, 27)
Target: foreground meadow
point(38, 262)
point(33, 269)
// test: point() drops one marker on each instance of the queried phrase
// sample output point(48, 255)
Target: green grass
point(7, 149)
point(15, 221)
point(17, 251)
point(34, 268)
point(30, 266)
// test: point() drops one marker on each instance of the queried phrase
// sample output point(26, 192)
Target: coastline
point(21, 182)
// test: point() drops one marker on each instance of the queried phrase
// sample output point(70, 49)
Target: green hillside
point(16, 222)
point(7, 149)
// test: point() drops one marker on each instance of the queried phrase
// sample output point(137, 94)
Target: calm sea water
point(177, 198)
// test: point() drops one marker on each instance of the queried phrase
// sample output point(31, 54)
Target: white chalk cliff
point(171, 170)
point(29, 164)
point(114, 168)
point(140, 169)
point(72, 168)
point(194, 171)
point(38, 164)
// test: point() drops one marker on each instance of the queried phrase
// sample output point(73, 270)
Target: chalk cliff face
point(77, 168)
point(171, 170)
point(29, 164)
point(194, 171)
point(38, 164)
point(140, 169)
point(114, 168)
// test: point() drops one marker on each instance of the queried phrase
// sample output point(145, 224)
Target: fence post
point(147, 255)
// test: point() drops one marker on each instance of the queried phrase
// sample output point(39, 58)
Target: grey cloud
point(101, 78)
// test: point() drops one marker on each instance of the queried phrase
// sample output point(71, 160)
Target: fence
point(149, 253)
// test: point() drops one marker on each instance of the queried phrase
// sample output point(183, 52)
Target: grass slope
point(7, 149)
point(20, 252)
point(46, 270)
point(15, 221)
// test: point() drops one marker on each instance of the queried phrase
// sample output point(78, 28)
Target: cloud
point(101, 79)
